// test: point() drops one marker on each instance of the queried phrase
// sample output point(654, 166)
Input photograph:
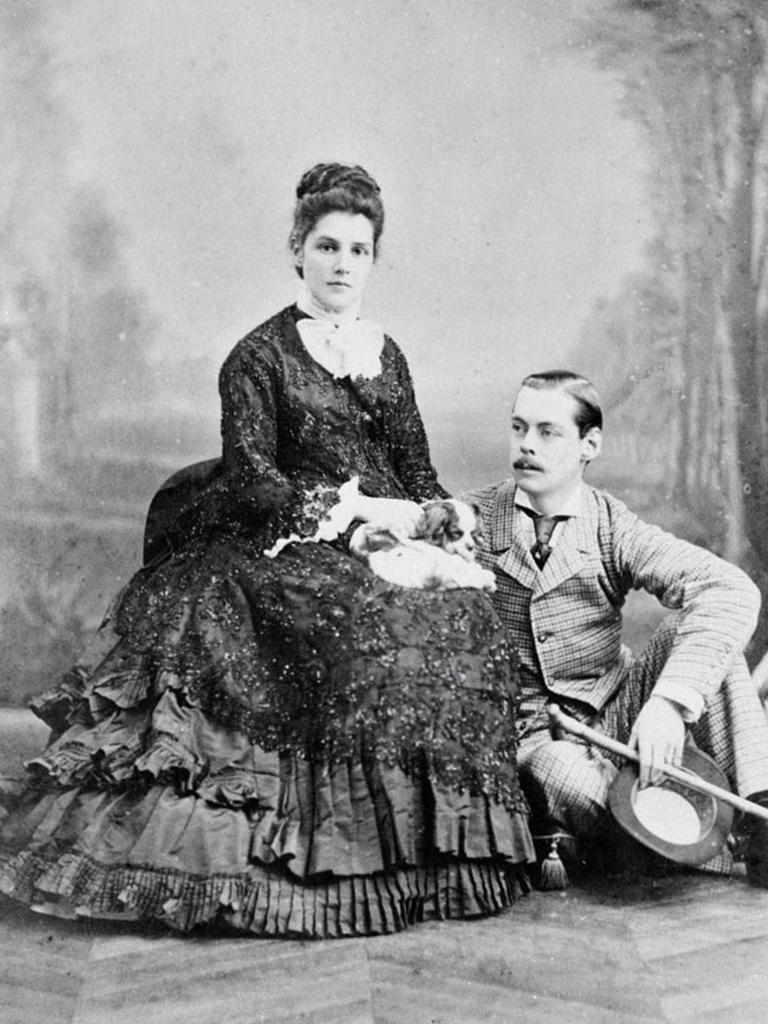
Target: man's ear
point(591, 444)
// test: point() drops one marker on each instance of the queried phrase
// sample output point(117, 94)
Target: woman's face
point(336, 259)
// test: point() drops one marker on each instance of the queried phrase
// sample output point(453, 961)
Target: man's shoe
point(756, 853)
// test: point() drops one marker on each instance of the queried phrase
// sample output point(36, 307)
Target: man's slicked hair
point(589, 413)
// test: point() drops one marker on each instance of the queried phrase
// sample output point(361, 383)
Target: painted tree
point(73, 332)
point(33, 199)
point(696, 80)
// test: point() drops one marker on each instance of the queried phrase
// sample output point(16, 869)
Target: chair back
point(170, 501)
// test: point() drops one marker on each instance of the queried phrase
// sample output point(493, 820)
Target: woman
point(276, 739)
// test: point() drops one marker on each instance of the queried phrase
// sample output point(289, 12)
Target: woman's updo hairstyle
point(325, 188)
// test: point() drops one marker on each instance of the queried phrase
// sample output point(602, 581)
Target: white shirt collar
point(570, 507)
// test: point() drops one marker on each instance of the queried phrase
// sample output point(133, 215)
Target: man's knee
point(566, 784)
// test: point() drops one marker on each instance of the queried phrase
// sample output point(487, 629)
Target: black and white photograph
point(383, 547)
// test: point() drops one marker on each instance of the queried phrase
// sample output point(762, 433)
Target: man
point(565, 556)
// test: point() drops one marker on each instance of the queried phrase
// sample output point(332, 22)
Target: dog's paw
point(489, 581)
point(481, 579)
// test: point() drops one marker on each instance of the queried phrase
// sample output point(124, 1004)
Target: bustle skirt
point(288, 747)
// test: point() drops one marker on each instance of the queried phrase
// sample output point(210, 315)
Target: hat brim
point(670, 818)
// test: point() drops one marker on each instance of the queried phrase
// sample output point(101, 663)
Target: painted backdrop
point(154, 149)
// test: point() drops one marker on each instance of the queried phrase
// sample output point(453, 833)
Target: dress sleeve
point(407, 439)
point(249, 385)
point(251, 490)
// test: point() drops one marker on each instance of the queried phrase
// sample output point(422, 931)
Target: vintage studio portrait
point(384, 549)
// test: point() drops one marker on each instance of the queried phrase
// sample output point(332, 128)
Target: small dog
point(441, 556)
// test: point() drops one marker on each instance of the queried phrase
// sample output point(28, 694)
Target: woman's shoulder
point(392, 353)
point(267, 341)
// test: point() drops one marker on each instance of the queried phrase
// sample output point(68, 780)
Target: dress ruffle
point(276, 847)
point(146, 807)
point(268, 903)
point(290, 746)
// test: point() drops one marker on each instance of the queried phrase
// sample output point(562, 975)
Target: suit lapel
point(512, 554)
point(567, 558)
point(574, 544)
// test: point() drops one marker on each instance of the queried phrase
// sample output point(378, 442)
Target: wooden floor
point(673, 949)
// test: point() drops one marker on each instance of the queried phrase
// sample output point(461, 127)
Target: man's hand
point(658, 735)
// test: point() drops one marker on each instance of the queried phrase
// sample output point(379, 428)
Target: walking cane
point(559, 719)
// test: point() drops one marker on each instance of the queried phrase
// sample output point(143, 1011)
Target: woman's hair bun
point(325, 188)
point(325, 177)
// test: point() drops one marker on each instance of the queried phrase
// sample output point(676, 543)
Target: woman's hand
point(393, 514)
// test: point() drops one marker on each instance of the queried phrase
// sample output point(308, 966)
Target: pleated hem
point(265, 902)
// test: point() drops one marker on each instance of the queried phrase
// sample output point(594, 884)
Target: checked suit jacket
point(566, 619)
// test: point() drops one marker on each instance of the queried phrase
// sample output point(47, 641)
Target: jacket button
point(543, 637)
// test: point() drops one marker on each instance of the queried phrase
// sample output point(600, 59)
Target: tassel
point(553, 873)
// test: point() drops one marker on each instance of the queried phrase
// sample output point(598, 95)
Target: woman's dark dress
point(289, 745)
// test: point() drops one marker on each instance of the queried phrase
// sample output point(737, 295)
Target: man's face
point(547, 454)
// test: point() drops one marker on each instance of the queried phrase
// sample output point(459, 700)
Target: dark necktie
point(544, 526)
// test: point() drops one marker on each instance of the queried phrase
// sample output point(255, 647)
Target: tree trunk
point(742, 314)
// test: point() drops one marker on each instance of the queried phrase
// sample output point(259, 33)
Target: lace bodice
point(292, 433)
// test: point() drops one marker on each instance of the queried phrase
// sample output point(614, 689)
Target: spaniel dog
point(441, 556)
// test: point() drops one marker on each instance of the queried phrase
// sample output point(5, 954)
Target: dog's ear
point(435, 519)
point(420, 532)
point(478, 531)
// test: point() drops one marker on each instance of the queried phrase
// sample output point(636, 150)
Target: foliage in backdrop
point(681, 347)
point(684, 344)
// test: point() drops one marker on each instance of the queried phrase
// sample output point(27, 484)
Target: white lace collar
point(343, 344)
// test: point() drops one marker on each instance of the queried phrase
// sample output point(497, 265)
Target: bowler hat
point(670, 817)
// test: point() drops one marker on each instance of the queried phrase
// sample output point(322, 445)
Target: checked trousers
point(567, 781)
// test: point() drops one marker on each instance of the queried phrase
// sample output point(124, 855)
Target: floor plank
point(581, 956)
point(483, 968)
point(243, 981)
point(673, 949)
point(42, 967)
